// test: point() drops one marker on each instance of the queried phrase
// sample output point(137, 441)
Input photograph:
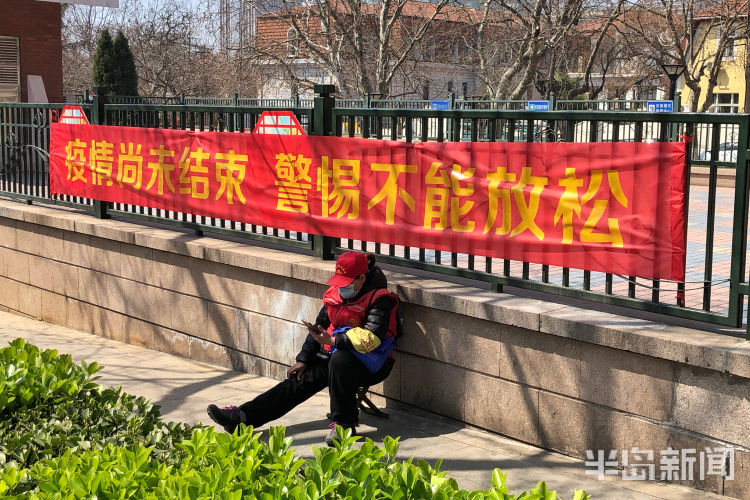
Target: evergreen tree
point(103, 73)
point(126, 76)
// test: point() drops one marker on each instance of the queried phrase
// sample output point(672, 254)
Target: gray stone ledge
point(12, 210)
point(683, 345)
point(256, 258)
point(50, 218)
point(470, 301)
point(123, 232)
point(171, 241)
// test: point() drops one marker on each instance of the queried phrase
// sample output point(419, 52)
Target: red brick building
point(440, 63)
point(30, 44)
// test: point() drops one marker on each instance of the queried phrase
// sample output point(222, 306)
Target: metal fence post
point(323, 105)
point(99, 117)
point(674, 132)
point(551, 133)
point(451, 106)
point(739, 231)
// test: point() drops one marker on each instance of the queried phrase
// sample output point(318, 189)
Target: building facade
point(731, 80)
point(30, 45)
point(237, 23)
point(434, 67)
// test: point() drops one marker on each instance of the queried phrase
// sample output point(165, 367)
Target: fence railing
point(359, 102)
point(24, 165)
point(717, 221)
point(601, 105)
point(162, 100)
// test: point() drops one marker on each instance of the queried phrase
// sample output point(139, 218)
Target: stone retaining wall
point(557, 376)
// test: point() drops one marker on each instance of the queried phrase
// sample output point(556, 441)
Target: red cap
point(349, 265)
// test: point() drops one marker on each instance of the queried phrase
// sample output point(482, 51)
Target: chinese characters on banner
point(610, 207)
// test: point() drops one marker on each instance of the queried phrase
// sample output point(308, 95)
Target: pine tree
point(126, 76)
point(103, 72)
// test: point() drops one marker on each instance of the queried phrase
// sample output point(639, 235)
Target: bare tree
point(81, 27)
point(689, 32)
point(174, 44)
point(600, 51)
point(516, 37)
point(361, 46)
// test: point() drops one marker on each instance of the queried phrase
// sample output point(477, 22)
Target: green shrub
point(233, 467)
point(62, 436)
point(95, 417)
point(31, 377)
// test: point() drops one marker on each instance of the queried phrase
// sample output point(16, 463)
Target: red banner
point(615, 207)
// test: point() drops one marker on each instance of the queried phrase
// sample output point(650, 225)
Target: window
point(10, 73)
point(647, 93)
point(726, 103)
point(465, 89)
point(429, 50)
point(426, 90)
point(730, 51)
point(450, 86)
point(292, 42)
point(455, 50)
point(506, 55)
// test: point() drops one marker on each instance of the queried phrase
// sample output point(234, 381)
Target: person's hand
point(297, 369)
point(319, 333)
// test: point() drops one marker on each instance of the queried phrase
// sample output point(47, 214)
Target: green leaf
point(328, 460)
point(498, 479)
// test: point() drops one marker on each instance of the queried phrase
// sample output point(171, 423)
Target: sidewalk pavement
point(184, 388)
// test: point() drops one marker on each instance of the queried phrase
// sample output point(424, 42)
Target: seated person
point(358, 299)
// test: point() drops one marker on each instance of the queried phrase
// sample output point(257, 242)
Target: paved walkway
point(184, 387)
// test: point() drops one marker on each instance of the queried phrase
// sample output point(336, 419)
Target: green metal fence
point(232, 118)
point(601, 105)
point(716, 269)
point(145, 99)
point(715, 286)
point(24, 166)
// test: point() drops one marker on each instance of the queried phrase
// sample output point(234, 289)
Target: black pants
point(342, 373)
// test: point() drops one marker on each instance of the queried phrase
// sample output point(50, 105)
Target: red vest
point(353, 312)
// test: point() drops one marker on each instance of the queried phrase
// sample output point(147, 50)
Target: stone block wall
point(560, 377)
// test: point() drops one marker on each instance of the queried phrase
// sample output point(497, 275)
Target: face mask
point(347, 292)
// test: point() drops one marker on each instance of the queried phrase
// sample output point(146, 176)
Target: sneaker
point(228, 417)
point(332, 436)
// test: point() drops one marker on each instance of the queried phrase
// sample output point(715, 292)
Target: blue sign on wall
point(538, 106)
point(659, 106)
point(440, 105)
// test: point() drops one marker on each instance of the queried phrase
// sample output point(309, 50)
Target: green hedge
point(63, 436)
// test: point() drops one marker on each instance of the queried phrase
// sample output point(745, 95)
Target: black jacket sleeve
point(311, 346)
point(376, 320)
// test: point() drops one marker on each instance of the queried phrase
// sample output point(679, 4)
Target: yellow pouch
point(363, 340)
